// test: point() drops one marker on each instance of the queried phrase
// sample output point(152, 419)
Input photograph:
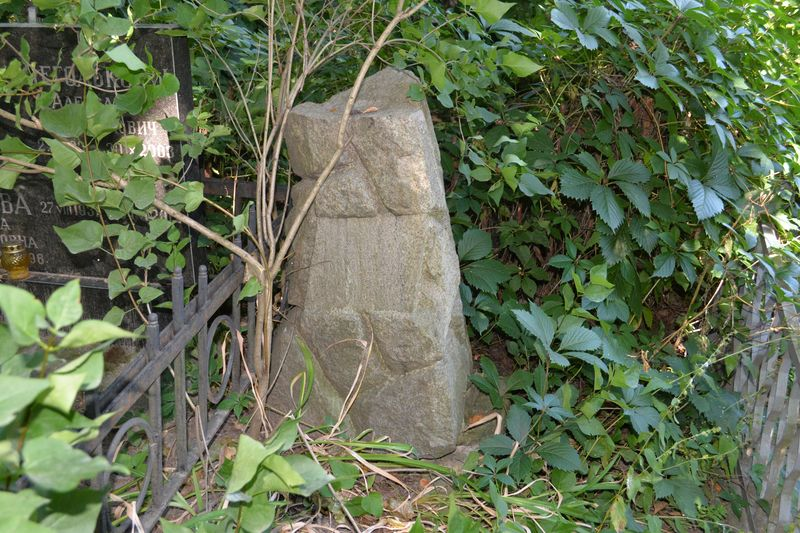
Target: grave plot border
point(197, 420)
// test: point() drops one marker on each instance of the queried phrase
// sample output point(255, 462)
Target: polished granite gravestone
point(29, 212)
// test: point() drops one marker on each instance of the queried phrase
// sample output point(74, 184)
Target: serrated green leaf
point(497, 445)
point(629, 171)
point(560, 455)
point(487, 274)
point(606, 204)
point(576, 185)
point(537, 323)
point(518, 423)
point(637, 196)
point(579, 338)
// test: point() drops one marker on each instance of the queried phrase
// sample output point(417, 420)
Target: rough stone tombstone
point(29, 212)
point(374, 273)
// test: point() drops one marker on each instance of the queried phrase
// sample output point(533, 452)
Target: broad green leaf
point(123, 54)
point(89, 367)
point(132, 101)
point(62, 154)
point(141, 191)
point(491, 10)
point(637, 196)
point(619, 514)
point(474, 244)
point(645, 78)
point(283, 470)
point(75, 511)
point(21, 503)
point(55, 465)
point(81, 236)
point(64, 305)
point(530, 185)
point(129, 243)
point(590, 426)
point(257, 516)
point(15, 149)
point(68, 121)
point(315, 477)
point(250, 289)
point(537, 323)
point(188, 193)
point(561, 455)
point(249, 455)
point(520, 65)
point(16, 393)
point(282, 438)
point(93, 331)
point(487, 274)
point(64, 389)
point(606, 205)
point(148, 293)
point(24, 314)
point(518, 423)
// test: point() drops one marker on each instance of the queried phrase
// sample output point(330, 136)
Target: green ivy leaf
point(520, 65)
point(491, 10)
point(15, 149)
point(123, 54)
point(82, 236)
point(68, 121)
point(141, 191)
point(637, 196)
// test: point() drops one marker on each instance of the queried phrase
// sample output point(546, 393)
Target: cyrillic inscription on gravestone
point(29, 211)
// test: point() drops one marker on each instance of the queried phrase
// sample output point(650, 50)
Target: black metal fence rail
point(141, 380)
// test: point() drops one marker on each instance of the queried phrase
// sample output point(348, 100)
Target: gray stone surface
point(374, 272)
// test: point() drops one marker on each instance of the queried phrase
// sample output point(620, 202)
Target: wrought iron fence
point(161, 367)
point(767, 378)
